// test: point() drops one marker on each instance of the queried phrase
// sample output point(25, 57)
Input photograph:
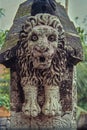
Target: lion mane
point(55, 71)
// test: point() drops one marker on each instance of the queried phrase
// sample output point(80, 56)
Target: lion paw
point(32, 109)
point(51, 108)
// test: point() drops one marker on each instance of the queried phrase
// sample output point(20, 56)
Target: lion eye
point(52, 38)
point(34, 37)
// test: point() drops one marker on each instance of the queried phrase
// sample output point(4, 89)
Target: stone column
point(43, 90)
point(42, 51)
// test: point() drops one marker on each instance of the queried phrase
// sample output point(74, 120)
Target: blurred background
point(77, 11)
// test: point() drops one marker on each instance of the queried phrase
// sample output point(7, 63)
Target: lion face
point(42, 45)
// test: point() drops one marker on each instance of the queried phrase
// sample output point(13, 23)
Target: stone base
point(19, 120)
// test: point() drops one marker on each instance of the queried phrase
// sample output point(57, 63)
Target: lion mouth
point(41, 62)
point(42, 59)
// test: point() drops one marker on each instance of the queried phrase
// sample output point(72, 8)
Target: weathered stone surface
point(43, 89)
point(64, 88)
point(23, 12)
point(73, 42)
point(41, 122)
point(4, 123)
point(82, 122)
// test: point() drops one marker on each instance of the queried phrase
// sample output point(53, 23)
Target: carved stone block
point(41, 52)
point(45, 74)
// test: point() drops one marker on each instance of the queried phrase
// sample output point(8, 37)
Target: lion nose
point(41, 48)
point(44, 49)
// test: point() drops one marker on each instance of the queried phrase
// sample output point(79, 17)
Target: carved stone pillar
point(42, 62)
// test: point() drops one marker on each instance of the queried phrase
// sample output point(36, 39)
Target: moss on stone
point(10, 43)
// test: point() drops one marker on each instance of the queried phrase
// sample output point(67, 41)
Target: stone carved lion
point(41, 62)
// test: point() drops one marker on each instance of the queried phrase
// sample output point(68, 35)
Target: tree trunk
point(66, 5)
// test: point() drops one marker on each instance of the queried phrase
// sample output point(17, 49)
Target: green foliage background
point(82, 72)
point(4, 89)
point(4, 77)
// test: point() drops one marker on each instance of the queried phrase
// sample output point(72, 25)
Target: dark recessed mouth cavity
point(42, 59)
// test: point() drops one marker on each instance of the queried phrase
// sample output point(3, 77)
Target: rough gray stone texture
point(41, 121)
point(9, 59)
point(20, 18)
point(4, 123)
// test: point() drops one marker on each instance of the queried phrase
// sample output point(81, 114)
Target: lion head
point(40, 37)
